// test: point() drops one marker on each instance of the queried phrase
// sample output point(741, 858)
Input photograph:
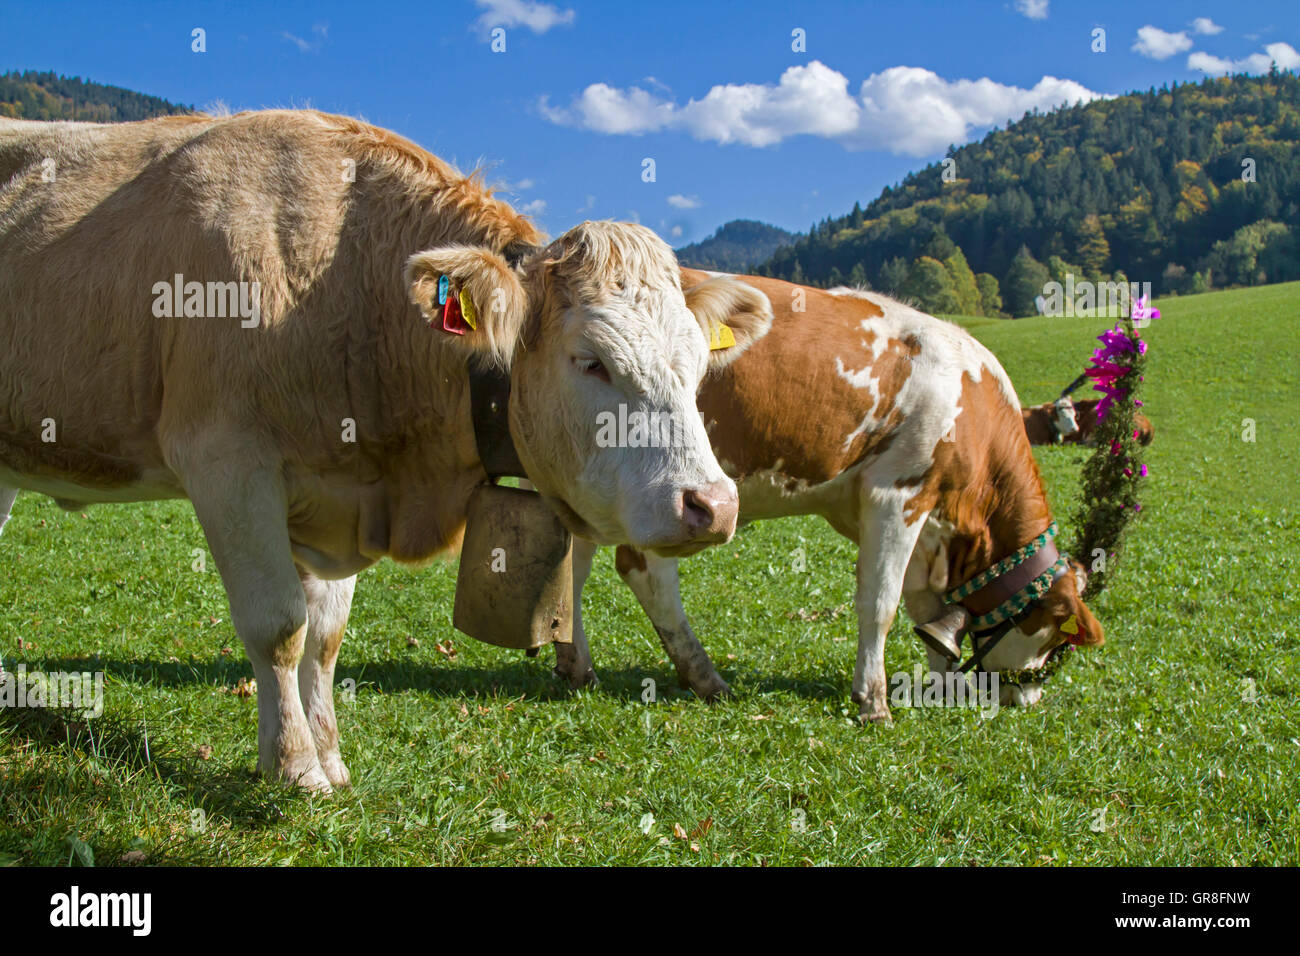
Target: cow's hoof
point(872, 711)
point(712, 690)
point(305, 774)
point(578, 677)
point(336, 771)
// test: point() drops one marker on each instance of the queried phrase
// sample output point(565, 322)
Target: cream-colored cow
point(233, 310)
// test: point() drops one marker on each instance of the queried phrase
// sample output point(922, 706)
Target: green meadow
point(1175, 743)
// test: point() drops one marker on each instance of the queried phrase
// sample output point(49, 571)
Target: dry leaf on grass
point(244, 688)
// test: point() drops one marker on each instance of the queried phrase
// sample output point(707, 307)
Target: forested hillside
point(1190, 187)
point(736, 246)
point(48, 96)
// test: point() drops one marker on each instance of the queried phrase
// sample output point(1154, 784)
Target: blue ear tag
point(444, 287)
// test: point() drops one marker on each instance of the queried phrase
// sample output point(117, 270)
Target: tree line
point(1190, 187)
point(49, 96)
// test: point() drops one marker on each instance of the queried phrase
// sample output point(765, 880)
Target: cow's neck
point(1018, 510)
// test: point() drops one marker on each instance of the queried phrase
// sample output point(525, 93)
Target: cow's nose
point(710, 512)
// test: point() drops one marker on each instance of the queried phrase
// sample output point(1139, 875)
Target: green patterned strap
point(984, 578)
point(1026, 596)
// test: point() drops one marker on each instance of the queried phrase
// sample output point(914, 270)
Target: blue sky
point(739, 124)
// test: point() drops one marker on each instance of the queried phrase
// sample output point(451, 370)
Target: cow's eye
point(592, 366)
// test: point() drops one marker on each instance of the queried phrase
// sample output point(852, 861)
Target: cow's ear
point(496, 296)
point(732, 314)
point(1081, 628)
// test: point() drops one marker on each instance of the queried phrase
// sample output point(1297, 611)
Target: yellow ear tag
point(467, 310)
point(1070, 625)
point(721, 337)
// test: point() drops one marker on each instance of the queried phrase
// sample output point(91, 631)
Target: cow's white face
point(608, 360)
point(605, 419)
point(1067, 419)
point(1060, 617)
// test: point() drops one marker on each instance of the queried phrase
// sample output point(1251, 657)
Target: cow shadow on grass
point(528, 677)
point(111, 741)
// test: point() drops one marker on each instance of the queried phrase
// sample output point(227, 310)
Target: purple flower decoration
point(1141, 310)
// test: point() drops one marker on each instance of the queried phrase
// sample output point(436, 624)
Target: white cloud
point(319, 32)
point(1033, 9)
point(605, 109)
point(534, 208)
point(1283, 54)
point(679, 201)
point(675, 232)
point(538, 17)
point(1205, 27)
point(905, 110)
point(916, 112)
point(1157, 44)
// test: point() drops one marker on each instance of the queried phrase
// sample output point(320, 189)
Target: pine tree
point(893, 276)
point(1025, 281)
point(939, 246)
point(1091, 246)
point(963, 283)
point(990, 295)
point(930, 286)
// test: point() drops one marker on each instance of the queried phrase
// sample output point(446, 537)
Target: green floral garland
point(1114, 474)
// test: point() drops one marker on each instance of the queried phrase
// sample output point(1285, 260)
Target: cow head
point(1059, 617)
point(1067, 420)
point(605, 355)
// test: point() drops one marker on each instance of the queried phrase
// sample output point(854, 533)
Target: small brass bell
point(515, 584)
point(944, 632)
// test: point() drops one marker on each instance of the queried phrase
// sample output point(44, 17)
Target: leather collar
point(1002, 588)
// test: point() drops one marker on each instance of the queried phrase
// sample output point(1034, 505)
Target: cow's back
point(833, 379)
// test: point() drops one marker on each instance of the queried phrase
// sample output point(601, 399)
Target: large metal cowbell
point(515, 583)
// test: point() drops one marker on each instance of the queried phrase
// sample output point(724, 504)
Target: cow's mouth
point(681, 550)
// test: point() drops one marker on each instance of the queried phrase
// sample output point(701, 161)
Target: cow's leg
point(328, 606)
point(655, 583)
point(573, 661)
point(245, 520)
point(7, 498)
point(884, 551)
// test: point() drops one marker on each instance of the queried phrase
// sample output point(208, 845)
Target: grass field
point(1176, 743)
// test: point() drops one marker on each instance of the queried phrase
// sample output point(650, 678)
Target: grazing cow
point(1065, 420)
point(233, 310)
point(903, 432)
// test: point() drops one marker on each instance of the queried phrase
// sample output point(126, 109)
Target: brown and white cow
point(233, 310)
point(904, 433)
point(1066, 420)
